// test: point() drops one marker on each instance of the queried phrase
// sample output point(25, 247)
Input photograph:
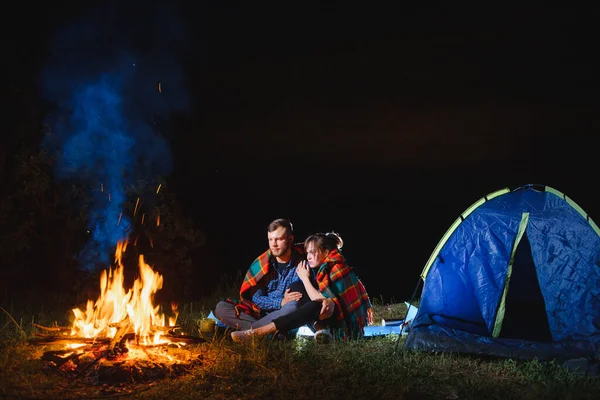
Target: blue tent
point(516, 275)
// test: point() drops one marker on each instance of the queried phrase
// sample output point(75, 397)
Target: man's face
point(279, 241)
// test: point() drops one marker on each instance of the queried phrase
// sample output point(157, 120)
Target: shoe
point(319, 326)
point(323, 336)
point(242, 336)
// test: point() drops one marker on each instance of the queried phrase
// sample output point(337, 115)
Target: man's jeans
point(225, 312)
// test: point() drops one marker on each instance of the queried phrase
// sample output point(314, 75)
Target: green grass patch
point(299, 369)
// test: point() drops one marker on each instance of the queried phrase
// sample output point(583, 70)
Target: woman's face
point(314, 256)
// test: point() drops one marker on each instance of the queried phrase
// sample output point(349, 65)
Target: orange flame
point(115, 308)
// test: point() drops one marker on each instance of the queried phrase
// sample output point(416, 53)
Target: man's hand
point(327, 308)
point(290, 296)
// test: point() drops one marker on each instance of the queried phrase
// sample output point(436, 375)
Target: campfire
point(122, 336)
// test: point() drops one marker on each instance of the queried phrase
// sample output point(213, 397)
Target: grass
point(298, 369)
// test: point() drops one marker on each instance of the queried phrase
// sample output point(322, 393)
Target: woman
point(335, 280)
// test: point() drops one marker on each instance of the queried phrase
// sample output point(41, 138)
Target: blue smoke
point(111, 89)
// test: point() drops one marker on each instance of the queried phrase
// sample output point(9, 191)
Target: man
point(265, 292)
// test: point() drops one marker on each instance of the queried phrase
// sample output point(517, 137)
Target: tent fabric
point(443, 339)
point(517, 265)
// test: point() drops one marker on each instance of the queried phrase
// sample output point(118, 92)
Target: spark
point(119, 221)
point(143, 215)
point(158, 189)
point(136, 205)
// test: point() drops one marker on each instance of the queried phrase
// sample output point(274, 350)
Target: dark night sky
point(381, 124)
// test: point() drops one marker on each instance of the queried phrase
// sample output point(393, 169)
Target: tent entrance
point(525, 314)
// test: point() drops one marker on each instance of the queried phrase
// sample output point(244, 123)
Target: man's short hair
point(281, 222)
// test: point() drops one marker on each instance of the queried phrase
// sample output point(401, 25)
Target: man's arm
point(266, 301)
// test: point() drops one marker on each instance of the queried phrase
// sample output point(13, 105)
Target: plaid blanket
point(338, 281)
point(260, 267)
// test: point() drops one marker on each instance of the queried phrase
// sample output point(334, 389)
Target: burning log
point(121, 332)
point(168, 329)
point(60, 338)
point(100, 361)
point(121, 336)
point(67, 340)
point(187, 339)
point(59, 357)
point(64, 329)
point(70, 340)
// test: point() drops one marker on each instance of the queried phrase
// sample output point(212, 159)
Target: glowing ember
point(119, 311)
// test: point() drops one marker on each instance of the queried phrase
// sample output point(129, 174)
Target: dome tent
point(516, 275)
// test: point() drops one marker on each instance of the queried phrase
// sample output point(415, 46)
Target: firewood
point(122, 323)
point(122, 331)
point(50, 335)
point(48, 340)
point(56, 358)
point(53, 328)
point(165, 328)
point(188, 339)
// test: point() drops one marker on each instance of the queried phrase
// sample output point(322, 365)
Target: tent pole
point(407, 310)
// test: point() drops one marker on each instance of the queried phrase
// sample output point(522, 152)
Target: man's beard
point(279, 252)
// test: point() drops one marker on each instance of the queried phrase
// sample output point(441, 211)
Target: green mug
point(207, 326)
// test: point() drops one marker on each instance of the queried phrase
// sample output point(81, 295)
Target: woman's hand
point(327, 309)
point(303, 270)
